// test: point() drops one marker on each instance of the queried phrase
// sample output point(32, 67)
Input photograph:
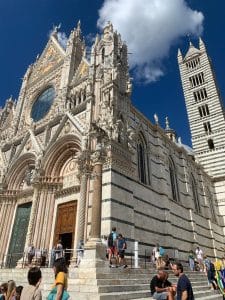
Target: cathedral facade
point(77, 158)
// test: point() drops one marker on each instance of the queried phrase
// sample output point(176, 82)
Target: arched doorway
point(18, 237)
point(65, 226)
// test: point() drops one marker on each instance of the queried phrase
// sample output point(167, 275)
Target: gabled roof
point(192, 51)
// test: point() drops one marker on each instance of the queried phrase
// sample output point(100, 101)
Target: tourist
point(121, 246)
point(30, 254)
point(112, 246)
point(153, 256)
point(184, 288)
point(166, 262)
point(210, 272)
point(191, 260)
point(105, 243)
point(32, 291)
point(159, 286)
point(3, 288)
point(18, 292)
point(80, 253)
point(11, 289)
point(199, 257)
point(59, 290)
point(59, 250)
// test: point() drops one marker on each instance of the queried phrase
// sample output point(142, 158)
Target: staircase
point(113, 283)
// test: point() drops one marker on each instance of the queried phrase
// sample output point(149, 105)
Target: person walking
point(191, 260)
point(112, 246)
point(199, 257)
point(121, 246)
point(184, 289)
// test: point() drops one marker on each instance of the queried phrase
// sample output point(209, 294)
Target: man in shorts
point(112, 246)
point(121, 245)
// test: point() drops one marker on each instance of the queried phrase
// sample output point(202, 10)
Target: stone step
point(142, 295)
point(111, 283)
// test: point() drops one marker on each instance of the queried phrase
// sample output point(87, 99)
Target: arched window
point(195, 194)
point(142, 158)
point(211, 205)
point(173, 180)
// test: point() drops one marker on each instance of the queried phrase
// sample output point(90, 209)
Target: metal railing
point(41, 258)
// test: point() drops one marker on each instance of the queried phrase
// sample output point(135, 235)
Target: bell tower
point(204, 108)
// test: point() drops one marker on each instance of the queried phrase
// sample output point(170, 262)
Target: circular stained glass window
point(42, 104)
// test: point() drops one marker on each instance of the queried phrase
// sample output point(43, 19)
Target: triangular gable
point(29, 144)
point(68, 125)
point(51, 57)
point(192, 51)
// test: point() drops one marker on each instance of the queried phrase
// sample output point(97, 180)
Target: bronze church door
point(19, 232)
point(65, 225)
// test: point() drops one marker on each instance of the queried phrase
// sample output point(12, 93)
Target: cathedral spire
point(78, 29)
point(201, 44)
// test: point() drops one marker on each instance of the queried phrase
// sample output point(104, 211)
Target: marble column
point(83, 161)
point(10, 209)
point(81, 209)
point(94, 250)
point(96, 202)
point(33, 214)
point(40, 218)
point(49, 216)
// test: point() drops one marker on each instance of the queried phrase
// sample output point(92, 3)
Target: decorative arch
point(57, 155)
point(142, 159)
point(22, 167)
point(173, 180)
point(195, 196)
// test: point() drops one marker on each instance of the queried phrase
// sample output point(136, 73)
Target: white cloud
point(150, 28)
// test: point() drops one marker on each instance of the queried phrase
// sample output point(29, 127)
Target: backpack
point(161, 251)
point(110, 240)
point(125, 244)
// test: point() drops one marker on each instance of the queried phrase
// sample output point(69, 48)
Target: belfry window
point(203, 110)
point(207, 127)
point(196, 80)
point(200, 95)
point(211, 144)
point(173, 180)
point(195, 194)
point(194, 63)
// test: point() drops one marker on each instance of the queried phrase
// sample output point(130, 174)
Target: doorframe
point(57, 203)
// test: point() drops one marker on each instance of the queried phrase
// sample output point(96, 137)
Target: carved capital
point(83, 163)
point(99, 156)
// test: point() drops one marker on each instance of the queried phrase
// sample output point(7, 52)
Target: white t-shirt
point(199, 254)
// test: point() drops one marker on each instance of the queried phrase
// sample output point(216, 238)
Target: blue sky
point(25, 26)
